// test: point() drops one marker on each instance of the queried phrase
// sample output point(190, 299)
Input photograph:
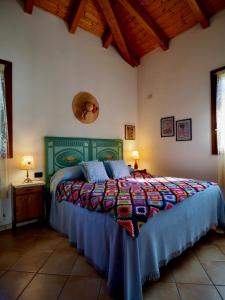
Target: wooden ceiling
point(134, 27)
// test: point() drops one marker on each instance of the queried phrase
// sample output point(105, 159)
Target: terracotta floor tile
point(104, 293)
point(221, 289)
point(217, 239)
point(166, 275)
point(222, 248)
point(25, 243)
point(41, 231)
point(161, 291)
point(209, 253)
point(1, 273)
point(60, 262)
point(198, 292)
point(81, 288)
point(45, 243)
point(5, 240)
point(187, 269)
point(44, 287)
point(16, 242)
point(206, 239)
point(216, 271)
point(8, 258)
point(82, 268)
point(64, 245)
point(12, 284)
point(31, 261)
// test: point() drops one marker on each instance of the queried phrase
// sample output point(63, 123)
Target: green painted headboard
point(61, 152)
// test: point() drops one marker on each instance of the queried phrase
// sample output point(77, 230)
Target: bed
point(127, 262)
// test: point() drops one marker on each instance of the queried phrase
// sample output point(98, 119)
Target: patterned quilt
point(131, 200)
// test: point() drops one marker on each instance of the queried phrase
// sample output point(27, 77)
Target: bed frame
point(61, 152)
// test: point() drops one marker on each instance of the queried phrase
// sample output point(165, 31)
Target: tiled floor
point(37, 263)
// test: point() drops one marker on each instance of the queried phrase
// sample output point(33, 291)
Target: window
point(8, 97)
point(214, 86)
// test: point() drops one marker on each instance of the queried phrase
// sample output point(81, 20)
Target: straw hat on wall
point(85, 107)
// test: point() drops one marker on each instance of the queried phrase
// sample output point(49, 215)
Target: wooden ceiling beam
point(76, 14)
point(110, 17)
point(107, 38)
point(199, 13)
point(143, 18)
point(28, 6)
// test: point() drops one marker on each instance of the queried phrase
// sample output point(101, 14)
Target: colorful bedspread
point(131, 200)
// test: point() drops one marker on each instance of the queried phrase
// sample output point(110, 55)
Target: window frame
point(213, 78)
point(8, 95)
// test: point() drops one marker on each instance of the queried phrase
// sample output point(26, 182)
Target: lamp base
point(135, 165)
point(27, 180)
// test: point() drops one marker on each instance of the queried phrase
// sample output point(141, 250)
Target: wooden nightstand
point(27, 202)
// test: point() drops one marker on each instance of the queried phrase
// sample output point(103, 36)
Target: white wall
point(179, 82)
point(50, 66)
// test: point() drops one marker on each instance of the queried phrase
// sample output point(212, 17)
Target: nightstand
point(27, 202)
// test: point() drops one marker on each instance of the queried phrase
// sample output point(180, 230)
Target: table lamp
point(27, 163)
point(135, 156)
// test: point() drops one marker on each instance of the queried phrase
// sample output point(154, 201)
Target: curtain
point(3, 142)
point(220, 115)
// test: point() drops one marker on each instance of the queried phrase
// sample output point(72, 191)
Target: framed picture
point(184, 130)
point(129, 132)
point(167, 127)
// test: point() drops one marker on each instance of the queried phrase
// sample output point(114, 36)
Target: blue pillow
point(94, 171)
point(119, 169)
point(108, 168)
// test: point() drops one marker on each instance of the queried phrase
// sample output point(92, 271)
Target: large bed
point(127, 262)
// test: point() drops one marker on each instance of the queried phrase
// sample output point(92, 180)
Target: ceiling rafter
point(76, 14)
point(139, 26)
point(110, 17)
point(146, 21)
point(199, 13)
point(107, 38)
point(28, 6)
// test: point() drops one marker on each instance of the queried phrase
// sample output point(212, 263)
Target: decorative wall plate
point(85, 107)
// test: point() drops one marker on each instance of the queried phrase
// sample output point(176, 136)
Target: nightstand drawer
point(34, 206)
point(21, 208)
point(29, 206)
point(29, 190)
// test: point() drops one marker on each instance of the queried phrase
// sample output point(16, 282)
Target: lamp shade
point(135, 154)
point(27, 162)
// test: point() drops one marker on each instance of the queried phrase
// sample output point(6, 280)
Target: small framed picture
point(129, 132)
point(184, 130)
point(167, 127)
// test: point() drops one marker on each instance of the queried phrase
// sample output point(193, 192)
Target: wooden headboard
point(61, 152)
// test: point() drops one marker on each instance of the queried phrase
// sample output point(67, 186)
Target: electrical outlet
point(38, 174)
